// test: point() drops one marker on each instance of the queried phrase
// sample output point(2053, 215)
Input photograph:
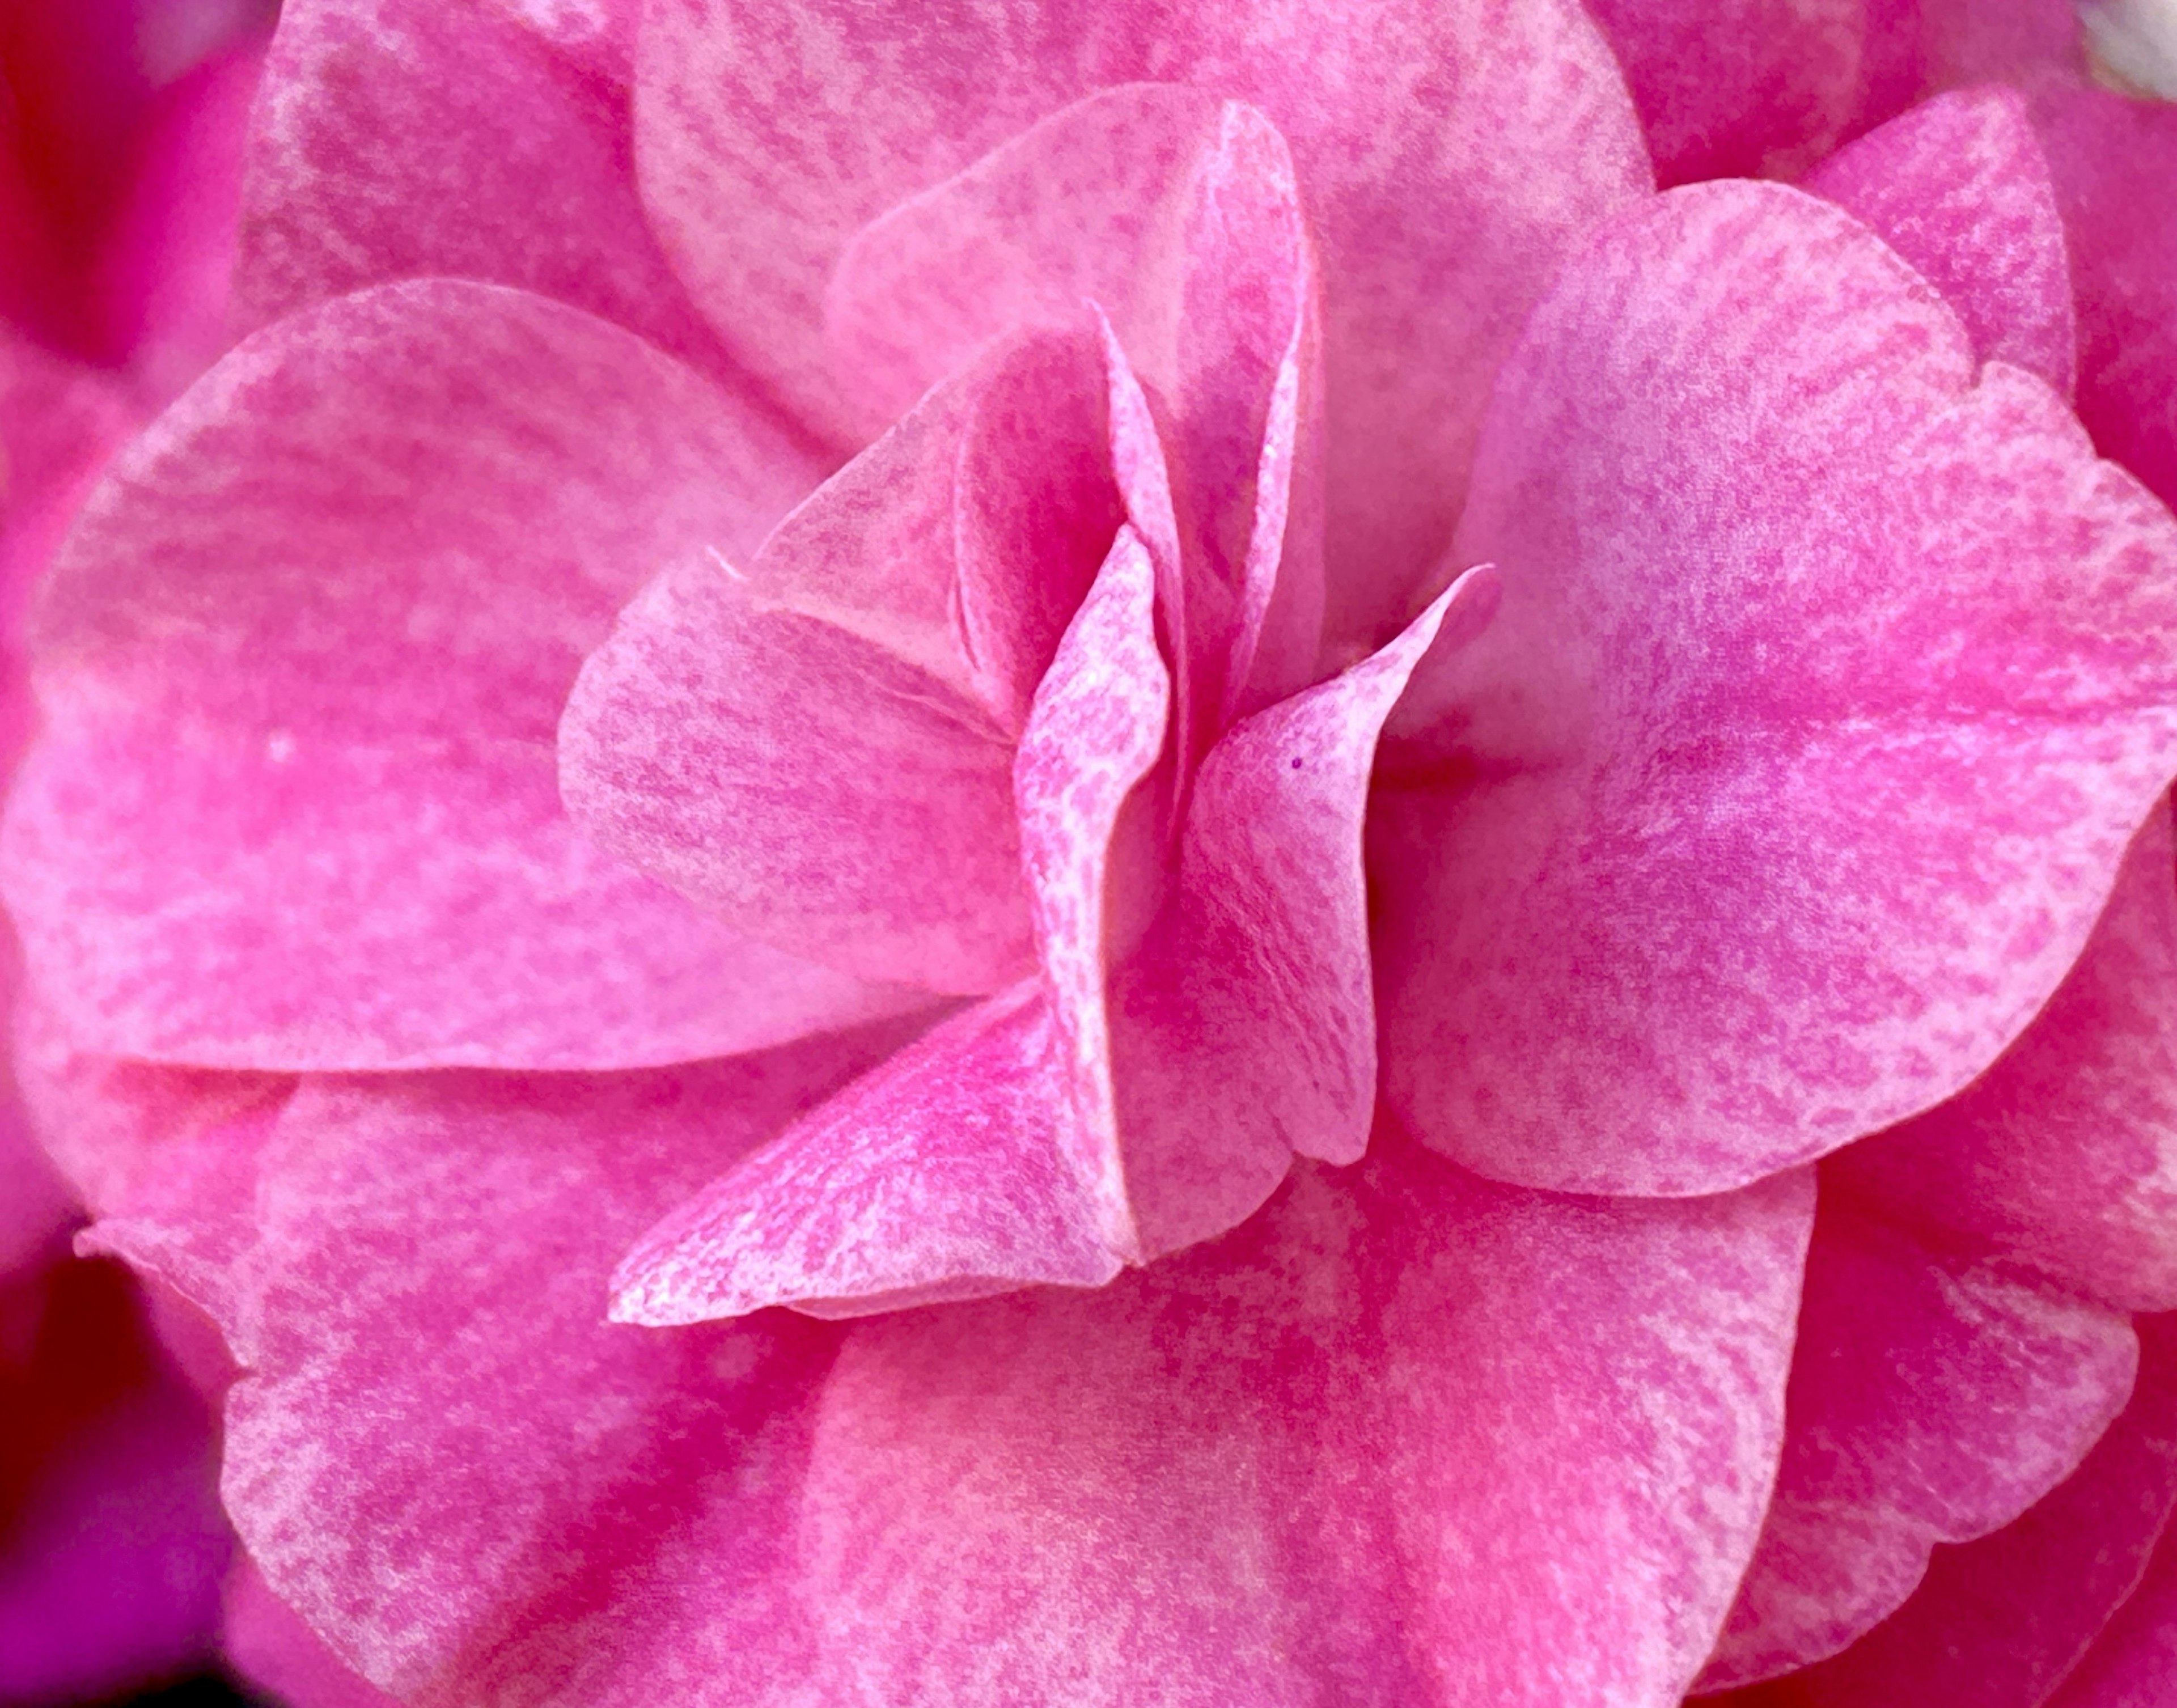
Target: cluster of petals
point(976, 853)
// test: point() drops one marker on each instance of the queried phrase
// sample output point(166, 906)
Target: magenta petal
point(1739, 88)
point(303, 662)
point(1999, 1622)
point(1092, 823)
point(1830, 683)
point(1447, 154)
point(1933, 1400)
point(1959, 188)
point(1405, 1437)
point(944, 1173)
point(1245, 1030)
point(467, 1482)
point(279, 1656)
point(2065, 1152)
point(398, 139)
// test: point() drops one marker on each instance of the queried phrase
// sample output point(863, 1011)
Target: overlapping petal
point(302, 669)
point(1933, 1400)
point(470, 1485)
point(1449, 153)
point(1832, 678)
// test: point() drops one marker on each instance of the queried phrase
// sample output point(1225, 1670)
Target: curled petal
point(1830, 683)
point(1448, 152)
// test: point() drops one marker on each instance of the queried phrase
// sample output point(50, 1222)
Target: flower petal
point(944, 1173)
point(281, 1657)
point(1449, 152)
point(396, 138)
point(1999, 1622)
point(1179, 216)
point(1739, 88)
point(439, 1455)
point(2064, 1152)
point(1829, 686)
point(1959, 188)
point(820, 750)
point(1404, 1437)
point(301, 666)
point(1933, 1400)
point(1244, 1031)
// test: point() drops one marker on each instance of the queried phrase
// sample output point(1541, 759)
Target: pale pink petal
point(1999, 1622)
point(281, 1658)
point(1245, 1030)
point(1178, 215)
point(470, 1485)
point(1959, 188)
point(1739, 88)
point(1831, 679)
point(396, 138)
point(2065, 1152)
point(1404, 1437)
point(1933, 1400)
point(1091, 799)
point(1447, 152)
point(944, 1173)
point(303, 666)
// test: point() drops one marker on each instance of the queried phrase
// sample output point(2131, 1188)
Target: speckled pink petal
point(944, 1173)
point(396, 138)
point(2065, 1152)
point(59, 421)
point(301, 668)
point(1933, 1398)
point(2134, 1657)
point(1831, 679)
point(2114, 160)
point(1244, 1030)
point(469, 1484)
point(1178, 215)
point(1404, 1437)
point(1447, 152)
point(279, 1655)
point(818, 749)
point(599, 33)
point(1092, 802)
point(1959, 188)
point(1999, 1622)
point(1739, 88)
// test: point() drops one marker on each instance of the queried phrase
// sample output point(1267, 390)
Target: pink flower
point(887, 659)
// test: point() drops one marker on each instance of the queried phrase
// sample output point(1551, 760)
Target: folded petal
point(1404, 1437)
point(2065, 1152)
point(818, 749)
point(396, 138)
point(2000, 1622)
point(301, 666)
point(1959, 188)
point(1830, 682)
point(1244, 1030)
point(1179, 216)
point(439, 1455)
point(277, 1653)
point(1933, 1400)
point(944, 1173)
point(1448, 152)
